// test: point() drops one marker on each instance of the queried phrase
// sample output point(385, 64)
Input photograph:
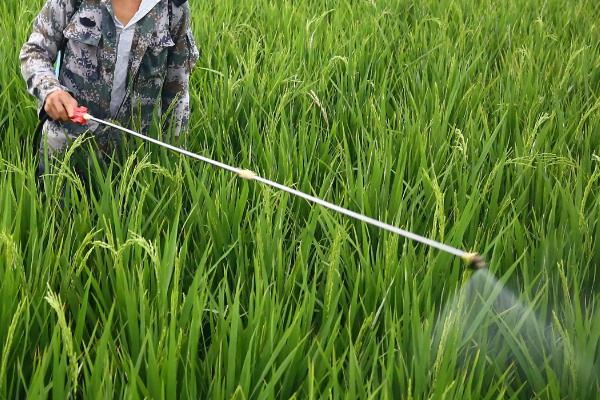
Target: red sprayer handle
point(80, 116)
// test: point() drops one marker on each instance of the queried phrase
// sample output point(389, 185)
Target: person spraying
point(119, 58)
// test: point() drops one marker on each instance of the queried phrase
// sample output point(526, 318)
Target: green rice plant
point(471, 122)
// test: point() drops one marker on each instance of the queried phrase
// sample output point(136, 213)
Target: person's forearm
point(40, 51)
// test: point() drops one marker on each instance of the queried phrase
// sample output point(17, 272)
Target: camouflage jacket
point(163, 55)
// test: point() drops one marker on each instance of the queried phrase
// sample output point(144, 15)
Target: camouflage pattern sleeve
point(180, 63)
point(40, 51)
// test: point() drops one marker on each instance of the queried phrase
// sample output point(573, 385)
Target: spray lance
point(473, 260)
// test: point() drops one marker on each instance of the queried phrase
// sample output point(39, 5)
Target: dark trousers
point(84, 161)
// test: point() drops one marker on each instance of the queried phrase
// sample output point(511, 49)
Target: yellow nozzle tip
point(247, 174)
point(475, 261)
point(469, 257)
point(87, 116)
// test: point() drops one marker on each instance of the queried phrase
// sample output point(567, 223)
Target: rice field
point(473, 122)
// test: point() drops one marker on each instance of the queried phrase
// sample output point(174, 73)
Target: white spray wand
point(474, 260)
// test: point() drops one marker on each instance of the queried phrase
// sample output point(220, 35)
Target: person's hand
point(60, 105)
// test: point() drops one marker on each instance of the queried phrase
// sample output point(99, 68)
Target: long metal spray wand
point(473, 260)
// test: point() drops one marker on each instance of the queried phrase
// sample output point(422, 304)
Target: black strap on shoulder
point(177, 3)
point(170, 11)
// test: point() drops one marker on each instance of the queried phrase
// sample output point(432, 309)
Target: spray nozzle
point(475, 261)
point(80, 116)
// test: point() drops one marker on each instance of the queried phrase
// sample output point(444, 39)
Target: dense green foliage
point(472, 122)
